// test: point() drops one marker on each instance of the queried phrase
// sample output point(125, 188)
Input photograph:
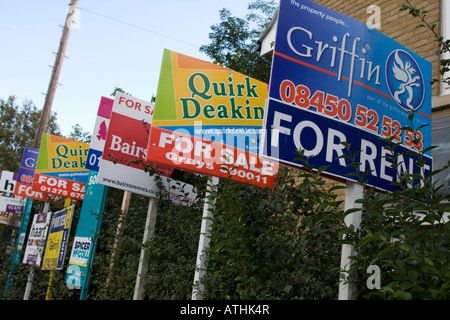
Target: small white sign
point(36, 239)
point(80, 251)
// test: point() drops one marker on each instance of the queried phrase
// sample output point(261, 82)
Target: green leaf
point(428, 261)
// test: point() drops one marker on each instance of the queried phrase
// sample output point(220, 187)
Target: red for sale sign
point(208, 119)
point(60, 168)
point(59, 187)
point(123, 161)
point(196, 154)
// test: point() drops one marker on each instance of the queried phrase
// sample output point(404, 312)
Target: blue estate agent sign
point(341, 70)
point(86, 235)
point(320, 137)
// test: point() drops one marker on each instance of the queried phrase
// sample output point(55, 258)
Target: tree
point(271, 248)
point(79, 134)
point(233, 41)
point(18, 129)
point(259, 249)
point(444, 44)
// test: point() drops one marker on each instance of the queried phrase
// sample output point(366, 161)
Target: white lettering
point(203, 148)
point(277, 128)
point(337, 147)
point(368, 157)
point(385, 163)
point(374, 281)
point(131, 149)
point(317, 51)
point(308, 49)
point(115, 144)
point(165, 138)
point(374, 20)
point(189, 146)
point(319, 138)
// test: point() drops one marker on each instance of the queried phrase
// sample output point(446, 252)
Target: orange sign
point(208, 119)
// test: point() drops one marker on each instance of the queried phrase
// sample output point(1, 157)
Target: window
point(445, 32)
point(440, 136)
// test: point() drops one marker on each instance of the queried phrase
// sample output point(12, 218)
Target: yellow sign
point(58, 154)
point(208, 93)
point(208, 119)
point(58, 237)
point(60, 168)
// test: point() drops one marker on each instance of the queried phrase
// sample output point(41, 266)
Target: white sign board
point(7, 182)
point(80, 251)
point(9, 208)
point(123, 159)
point(99, 134)
point(36, 239)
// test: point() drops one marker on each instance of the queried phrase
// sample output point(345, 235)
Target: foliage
point(409, 241)
point(117, 89)
point(405, 233)
point(79, 134)
point(273, 243)
point(233, 41)
point(444, 44)
point(116, 260)
point(18, 129)
point(173, 250)
point(280, 243)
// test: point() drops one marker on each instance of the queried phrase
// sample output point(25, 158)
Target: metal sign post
point(54, 258)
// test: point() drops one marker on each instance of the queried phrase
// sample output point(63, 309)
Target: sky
point(114, 43)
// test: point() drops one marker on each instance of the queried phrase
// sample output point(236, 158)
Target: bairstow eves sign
point(336, 80)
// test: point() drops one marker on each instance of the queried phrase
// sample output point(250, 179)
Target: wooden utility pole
point(41, 129)
point(55, 74)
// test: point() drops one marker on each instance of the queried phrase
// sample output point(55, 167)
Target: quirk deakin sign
point(208, 119)
point(60, 168)
point(336, 80)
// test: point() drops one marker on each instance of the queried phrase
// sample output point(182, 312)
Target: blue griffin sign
point(351, 82)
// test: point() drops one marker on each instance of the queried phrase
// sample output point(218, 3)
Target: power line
point(137, 27)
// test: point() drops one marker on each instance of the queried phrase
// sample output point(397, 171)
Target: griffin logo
point(405, 81)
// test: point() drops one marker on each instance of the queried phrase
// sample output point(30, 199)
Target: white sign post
point(123, 161)
point(336, 81)
point(205, 231)
point(149, 231)
point(353, 192)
